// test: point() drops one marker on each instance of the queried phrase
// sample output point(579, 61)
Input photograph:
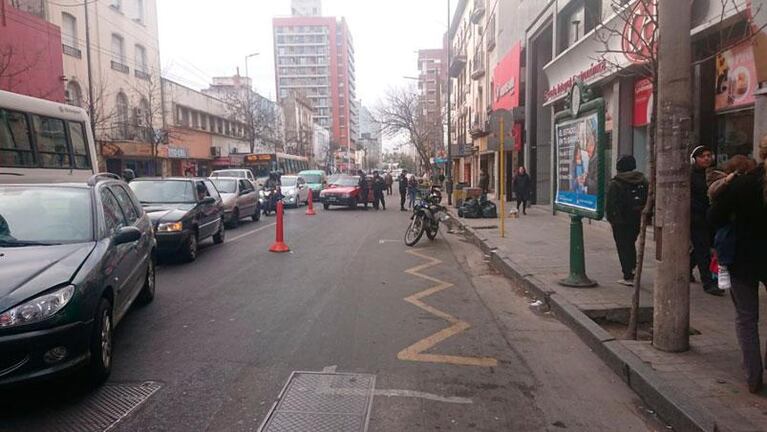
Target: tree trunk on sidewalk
point(671, 300)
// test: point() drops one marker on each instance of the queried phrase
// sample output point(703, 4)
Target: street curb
point(675, 408)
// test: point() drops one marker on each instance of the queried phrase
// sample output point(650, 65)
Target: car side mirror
point(127, 234)
point(208, 200)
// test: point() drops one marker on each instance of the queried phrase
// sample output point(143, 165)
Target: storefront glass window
point(735, 135)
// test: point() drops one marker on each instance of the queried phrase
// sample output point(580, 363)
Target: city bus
point(263, 163)
point(44, 141)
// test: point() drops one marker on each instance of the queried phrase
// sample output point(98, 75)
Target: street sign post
point(579, 133)
point(501, 123)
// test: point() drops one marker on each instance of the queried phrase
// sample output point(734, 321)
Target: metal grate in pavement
point(322, 401)
point(98, 412)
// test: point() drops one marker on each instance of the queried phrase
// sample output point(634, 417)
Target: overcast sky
point(201, 39)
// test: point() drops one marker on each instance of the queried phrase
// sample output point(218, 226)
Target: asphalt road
point(224, 334)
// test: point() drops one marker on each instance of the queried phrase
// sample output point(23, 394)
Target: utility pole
point(449, 165)
point(91, 107)
point(671, 300)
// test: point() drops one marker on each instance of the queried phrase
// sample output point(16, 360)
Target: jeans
point(523, 203)
point(402, 198)
point(625, 236)
point(745, 297)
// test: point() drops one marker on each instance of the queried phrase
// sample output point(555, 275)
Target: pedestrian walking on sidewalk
point(402, 180)
point(701, 233)
point(484, 183)
point(522, 186)
point(745, 203)
point(412, 189)
point(626, 198)
point(389, 182)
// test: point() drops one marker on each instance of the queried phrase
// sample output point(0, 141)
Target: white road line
point(422, 395)
point(252, 232)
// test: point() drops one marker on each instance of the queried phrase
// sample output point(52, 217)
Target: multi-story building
point(30, 54)
point(299, 126)
point(202, 136)
point(432, 78)
point(267, 121)
point(314, 57)
point(369, 140)
point(124, 74)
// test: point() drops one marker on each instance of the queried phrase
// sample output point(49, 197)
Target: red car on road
point(345, 191)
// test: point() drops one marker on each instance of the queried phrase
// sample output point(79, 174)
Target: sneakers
point(626, 282)
point(723, 278)
point(714, 291)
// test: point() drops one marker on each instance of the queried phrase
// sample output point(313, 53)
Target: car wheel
point(190, 248)
point(235, 222)
point(101, 343)
point(325, 206)
point(257, 214)
point(219, 237)
point(147, 292)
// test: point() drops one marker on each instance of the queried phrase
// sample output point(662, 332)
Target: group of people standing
point(728, 215)
point(379, 184)
point(521, 185)
point(408, 187)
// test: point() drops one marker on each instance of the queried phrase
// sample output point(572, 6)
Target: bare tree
point(261, 117)
point(146, 122)
point(402, 112)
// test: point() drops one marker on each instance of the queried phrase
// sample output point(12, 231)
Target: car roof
point(169, 178)
point(48, 185)
point(227, 178)
point(311, 172)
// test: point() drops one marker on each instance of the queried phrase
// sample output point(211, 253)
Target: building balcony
point(119, 67)
point(478, 12)
point(457, 65)
point(479, 129)
point(71, 51)
point(142, 75)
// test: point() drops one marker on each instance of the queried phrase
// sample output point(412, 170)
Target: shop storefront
point(136, 156)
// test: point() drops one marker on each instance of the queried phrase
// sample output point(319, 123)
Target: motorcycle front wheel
point(432, 231)
point(415, 230)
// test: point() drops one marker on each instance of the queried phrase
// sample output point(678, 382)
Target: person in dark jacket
point(745, 202)
point(701, 234)
point(626, 198)
point(363, 184)
point(402, 179)
point(389, 182)
point(379, 185)
point(522, 186)
point(484, 182)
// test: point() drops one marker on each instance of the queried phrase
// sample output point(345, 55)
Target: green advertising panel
point(579, 136)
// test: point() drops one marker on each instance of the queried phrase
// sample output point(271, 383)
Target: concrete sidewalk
point(702, 389)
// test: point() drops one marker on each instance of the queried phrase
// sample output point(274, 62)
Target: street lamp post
point(449, 165)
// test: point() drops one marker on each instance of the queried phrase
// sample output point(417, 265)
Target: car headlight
point(170, 227)
point(37, 309)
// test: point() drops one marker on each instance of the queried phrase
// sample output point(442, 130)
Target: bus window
point(15, 147)
point(77, 136)
point(51, 142)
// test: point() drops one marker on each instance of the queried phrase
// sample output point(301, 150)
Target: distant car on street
point(345, 191)
point(237, 173)
point(240, 199)
point(316, 180)
point(184, 211)
point(73, 258)
point(295, 190)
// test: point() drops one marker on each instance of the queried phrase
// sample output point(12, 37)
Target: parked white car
point(240, 199)
point(295, 190)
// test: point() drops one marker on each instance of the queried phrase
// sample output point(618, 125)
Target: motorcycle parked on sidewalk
point(427, 214)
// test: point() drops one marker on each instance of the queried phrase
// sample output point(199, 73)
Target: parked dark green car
point(73, 258)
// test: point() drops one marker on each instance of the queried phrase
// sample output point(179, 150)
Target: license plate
point(332, 199)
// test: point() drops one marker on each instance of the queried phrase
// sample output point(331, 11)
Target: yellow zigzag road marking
point(415, 352)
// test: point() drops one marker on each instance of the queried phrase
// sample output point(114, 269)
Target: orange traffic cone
point(310, 209)
point(279, 243)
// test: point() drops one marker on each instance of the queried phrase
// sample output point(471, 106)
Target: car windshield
point(288, 181)
point(44, 215)
point(229, 173)
point(312, 178)
point(225, 185)
point(163, 191)
point(346, 181)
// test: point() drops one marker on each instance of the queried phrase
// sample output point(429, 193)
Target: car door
point(207, 216)
point(120, 261)
point(142, 248)
point(246, 198)
point(216, 210)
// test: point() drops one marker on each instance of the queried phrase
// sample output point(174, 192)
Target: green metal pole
point(577, 277)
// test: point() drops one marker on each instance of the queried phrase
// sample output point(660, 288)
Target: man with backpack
point(626, 197)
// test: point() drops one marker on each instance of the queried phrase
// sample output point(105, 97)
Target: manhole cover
point(97, 412)
point(320, 401)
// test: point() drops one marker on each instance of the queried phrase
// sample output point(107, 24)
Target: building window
point(116, 5)
point(118, 49)
point(74, 94)
point(141, 58)
point(69, 30)
point(139, 12)
point(121, 128)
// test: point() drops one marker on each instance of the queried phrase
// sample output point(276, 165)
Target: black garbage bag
point(489, 210)
point(470, 209)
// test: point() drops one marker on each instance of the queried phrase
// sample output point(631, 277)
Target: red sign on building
point(506, 78)
point(642, 102)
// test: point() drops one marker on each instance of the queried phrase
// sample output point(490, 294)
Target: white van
point(44, 141)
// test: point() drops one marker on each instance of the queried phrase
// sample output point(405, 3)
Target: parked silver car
point(240, 199)
point(295, 190)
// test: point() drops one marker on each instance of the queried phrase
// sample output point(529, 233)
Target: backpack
point(634, 198)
